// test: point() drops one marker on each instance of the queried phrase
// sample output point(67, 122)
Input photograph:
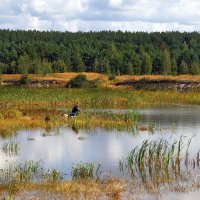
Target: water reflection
point(49, 131)
point(75, 128)
point(10, 148)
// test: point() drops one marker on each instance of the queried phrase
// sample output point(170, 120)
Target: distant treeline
point(105, 52)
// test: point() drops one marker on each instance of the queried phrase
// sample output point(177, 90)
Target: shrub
point(77, 82)
point(81, 81)
point(24, 79)
point(47, 117)
point(111, 77)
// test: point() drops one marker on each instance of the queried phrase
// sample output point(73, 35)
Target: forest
point(109, 52)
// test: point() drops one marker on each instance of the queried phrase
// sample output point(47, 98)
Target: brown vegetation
point(62, 78)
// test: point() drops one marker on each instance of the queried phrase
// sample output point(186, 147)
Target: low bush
point(24, 79)
point(80, 81)
point(77, 82)
point(111, 77)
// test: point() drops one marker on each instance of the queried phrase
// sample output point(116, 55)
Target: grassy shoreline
point(31, 107)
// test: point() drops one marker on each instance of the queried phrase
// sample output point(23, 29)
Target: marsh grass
point(22, 98)
point(31, 177)
point(83, 171)
point(73, 189)
point(158, 161)
point(28, 172)
point(107, 120)
point(51, 119)
point(20, 173)
point(38, 107)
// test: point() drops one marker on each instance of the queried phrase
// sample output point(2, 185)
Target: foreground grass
point(74, 189)
point(91, 189)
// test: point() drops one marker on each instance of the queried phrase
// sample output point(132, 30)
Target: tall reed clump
point(30, 171)
point(15, 177)
point(22, 172)
point(83, 171)
point(158, 161)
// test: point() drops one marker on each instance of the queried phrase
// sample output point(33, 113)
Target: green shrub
point(77, 82)
point(24, 79)
point(81, 81)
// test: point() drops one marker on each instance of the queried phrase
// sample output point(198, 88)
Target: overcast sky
point(97, 15)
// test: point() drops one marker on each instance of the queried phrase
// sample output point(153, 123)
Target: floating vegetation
point(30, 138)
point(11, 148)
point(82, 138)
point(159, 161)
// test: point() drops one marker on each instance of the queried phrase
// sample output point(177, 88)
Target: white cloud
point(115, 3)
point(85, 15)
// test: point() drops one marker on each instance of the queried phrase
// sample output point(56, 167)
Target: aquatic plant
point(52, 175)
point(158, 160)
point(22, 172)
point(83, 171)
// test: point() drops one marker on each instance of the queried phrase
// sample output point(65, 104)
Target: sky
point(98, 15)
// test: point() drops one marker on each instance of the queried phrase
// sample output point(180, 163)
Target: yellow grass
point(80, 189)
point(107, 189)
point(55, 76)
point(64, 77)
point(186, 77)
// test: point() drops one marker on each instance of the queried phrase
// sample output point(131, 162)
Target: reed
point(158, 161)
point(83, 171)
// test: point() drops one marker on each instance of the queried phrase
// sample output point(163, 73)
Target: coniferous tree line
point(104, 52)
